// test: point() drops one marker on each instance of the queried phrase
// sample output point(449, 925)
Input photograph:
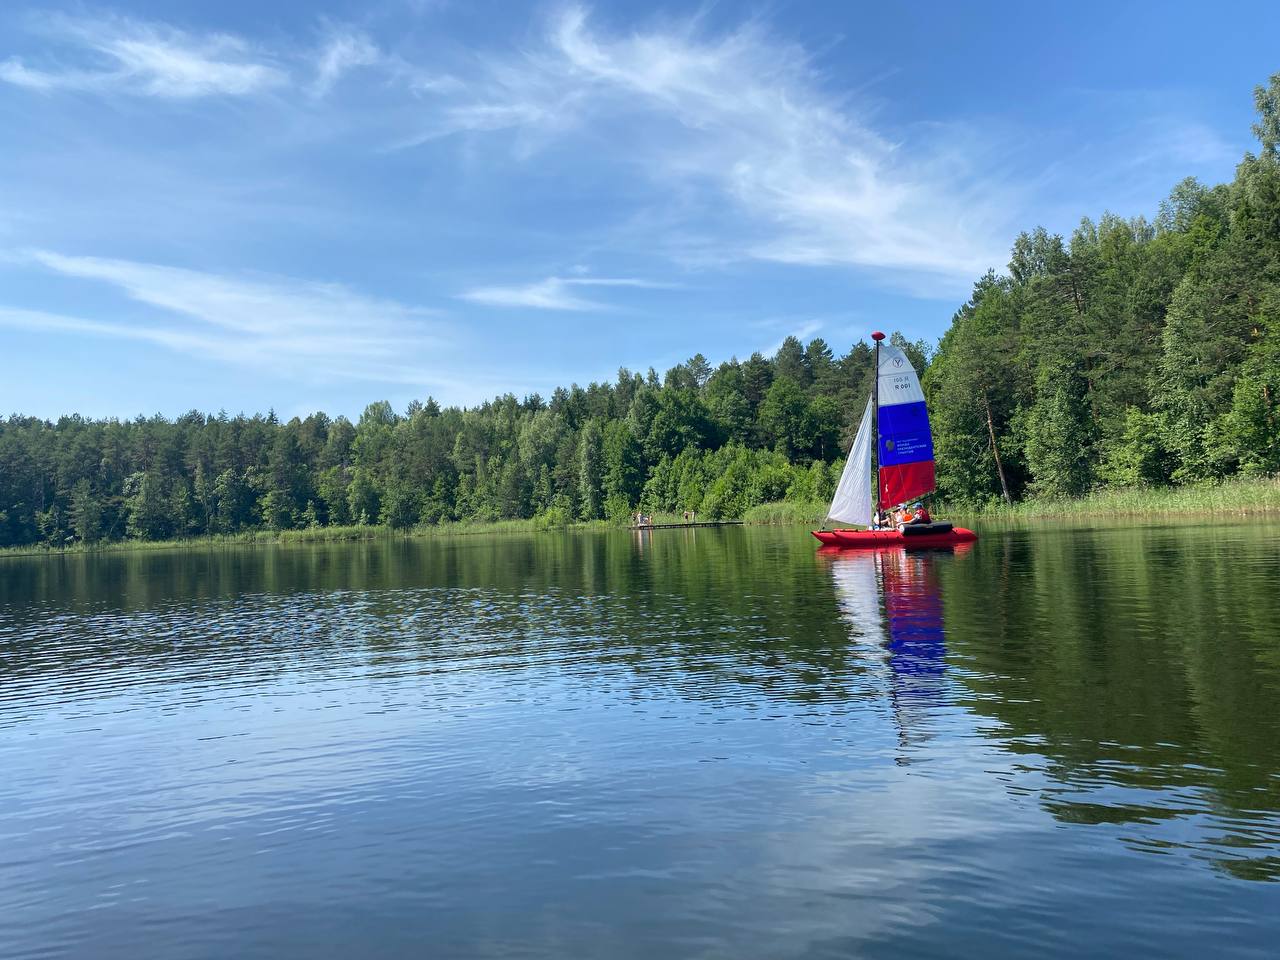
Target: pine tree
point(1059, 434)
point(590, 470)
point(86, 512)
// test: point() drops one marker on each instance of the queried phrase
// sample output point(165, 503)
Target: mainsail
point(852, 502)
point(906, 445)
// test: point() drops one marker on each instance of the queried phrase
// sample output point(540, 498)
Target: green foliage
point(591, 471)
point(1134, 356)
point(1248, 434)
point(86, 512)
point(1240, 496)
point(553, 518)
point(1136, 457)
point(1267, 102)
point(1058, 437)
point(149, 516)
point(362, 497)
point(783, 416)
point(789, 512)
point(623, 463)
point(398, 507)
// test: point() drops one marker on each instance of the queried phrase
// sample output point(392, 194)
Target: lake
point(683, 743)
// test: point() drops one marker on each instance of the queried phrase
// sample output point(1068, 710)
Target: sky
point(306, 206)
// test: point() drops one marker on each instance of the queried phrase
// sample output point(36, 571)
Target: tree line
point(1131, 353)
point(713, 440)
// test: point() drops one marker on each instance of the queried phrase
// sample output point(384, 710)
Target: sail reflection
point(892, 600)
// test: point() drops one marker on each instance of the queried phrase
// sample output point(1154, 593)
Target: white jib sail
point(852, 502)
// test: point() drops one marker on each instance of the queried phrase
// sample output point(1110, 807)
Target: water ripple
point(714, 745)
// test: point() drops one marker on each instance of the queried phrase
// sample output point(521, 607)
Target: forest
point(1132, 353)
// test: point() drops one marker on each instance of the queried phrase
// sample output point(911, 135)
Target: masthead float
point(895, 425)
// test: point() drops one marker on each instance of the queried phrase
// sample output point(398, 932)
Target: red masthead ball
point(877, 336)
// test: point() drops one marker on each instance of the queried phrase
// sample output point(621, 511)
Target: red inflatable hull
point(881, 539)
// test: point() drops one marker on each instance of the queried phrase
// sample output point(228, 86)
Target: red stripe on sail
point(906, 481)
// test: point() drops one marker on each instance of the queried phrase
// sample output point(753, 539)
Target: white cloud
point(793, 175)
point(293, 326)
point(147, 59)
point(44, 321)
point(802, 333)
point(733, 141)
point(343, 51)
point(553, 293)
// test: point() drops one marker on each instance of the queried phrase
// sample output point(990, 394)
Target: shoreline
point(1235, 498)
point(310, 535)
point(1230, 498)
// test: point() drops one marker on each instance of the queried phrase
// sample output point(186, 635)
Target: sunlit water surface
point(703, 743)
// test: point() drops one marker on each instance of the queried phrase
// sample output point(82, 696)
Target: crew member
point(912, 515)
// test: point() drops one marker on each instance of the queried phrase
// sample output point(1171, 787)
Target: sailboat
point(895, 424)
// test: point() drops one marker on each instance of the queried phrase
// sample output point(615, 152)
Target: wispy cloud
point(291, 325)
point(119, 55)
point(344, 50)
point(783, 327)
point(44, 321)
point(553, 293)
point(797, 176)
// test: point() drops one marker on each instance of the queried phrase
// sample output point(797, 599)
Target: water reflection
point(895, 596)
point(1132, 672)
point(683, 743)
point(1137, 699)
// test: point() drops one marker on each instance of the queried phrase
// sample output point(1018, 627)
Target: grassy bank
point(1238, 497)
point(309, 535)
point(336, 535)
point(787, 512)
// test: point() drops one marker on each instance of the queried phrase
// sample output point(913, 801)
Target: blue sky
point(305, 206)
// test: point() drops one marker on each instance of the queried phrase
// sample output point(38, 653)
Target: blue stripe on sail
point(904, 434)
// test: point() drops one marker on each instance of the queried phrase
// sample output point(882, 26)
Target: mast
point(877, 336)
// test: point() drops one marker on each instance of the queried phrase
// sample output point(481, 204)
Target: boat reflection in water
point(893, 601)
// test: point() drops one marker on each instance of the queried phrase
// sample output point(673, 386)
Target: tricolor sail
point(906, 445)
point(852, 502)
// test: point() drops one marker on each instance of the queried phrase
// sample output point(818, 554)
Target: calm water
point(710, 743)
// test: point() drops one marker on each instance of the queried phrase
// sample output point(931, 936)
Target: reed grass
point(787, 512)
point(247, 537)
point(341, 534)
point(1238, 496)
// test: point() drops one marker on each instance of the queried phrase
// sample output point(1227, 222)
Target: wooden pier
point(693, 523)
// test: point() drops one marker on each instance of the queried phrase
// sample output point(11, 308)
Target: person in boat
point(914, 514)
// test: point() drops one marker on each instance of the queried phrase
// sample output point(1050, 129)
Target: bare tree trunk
point(995, 450)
